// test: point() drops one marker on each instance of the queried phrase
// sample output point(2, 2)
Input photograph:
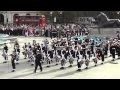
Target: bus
point(17, 19)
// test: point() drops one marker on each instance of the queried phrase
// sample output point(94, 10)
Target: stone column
point(9, 16)
point(12, 14)
point(5, 19)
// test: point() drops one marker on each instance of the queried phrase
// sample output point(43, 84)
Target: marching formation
point(65, 50)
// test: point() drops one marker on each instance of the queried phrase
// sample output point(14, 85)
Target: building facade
point(19, 16)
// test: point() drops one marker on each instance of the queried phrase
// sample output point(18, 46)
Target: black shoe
point(95, 65)
point(86, 68)
point(28, 60)
point(25, 58)
point(79, 70)
point(62, 68)
point(51, 60)
point(113, 60)
point(106, 57)
point(48, 66)
point(56, 64)
point(17, 63)
point(13, 71)
point(34, 71)
point(110, 55)
point(32, 64)
point(102, 63)
point(5, 62)
point(70, 66)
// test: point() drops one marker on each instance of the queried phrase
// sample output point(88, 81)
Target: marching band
point(62, 51)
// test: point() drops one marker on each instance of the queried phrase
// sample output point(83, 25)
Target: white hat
point(92, 39)
point(37, 50)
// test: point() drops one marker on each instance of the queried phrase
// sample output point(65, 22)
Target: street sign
point(85, 20)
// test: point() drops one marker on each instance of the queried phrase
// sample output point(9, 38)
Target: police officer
point(38, 59)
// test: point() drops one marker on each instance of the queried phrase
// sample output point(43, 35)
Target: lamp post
point(51, 13)
point(60, 21)
point(6, 19)
point(60, 12)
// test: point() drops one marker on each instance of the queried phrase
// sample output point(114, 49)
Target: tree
point(69, 16)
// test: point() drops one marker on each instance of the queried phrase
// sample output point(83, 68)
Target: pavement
point(108, 70)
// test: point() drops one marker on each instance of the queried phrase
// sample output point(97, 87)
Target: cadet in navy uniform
point(84, 49)
point(71, 59)
point(42, 48)
point(92, 46)
point(106, 49)
point(118, 35)
point(63, 59)
point(50, 52)
point(13, 58)
point(79, 60)
point(48, 60)
point(25, 50)
point(49, 56)
point(29, 46)
point(58, 57)
point(59, 51)
point(38, 59)
point(76, 41)
point(34, 50)
point(5, 51)
point(38, 46)
point(97, 54)
point(102, 53)
point(87, 59)
point(17, 50)
point(118, 49)
point(113, 50)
